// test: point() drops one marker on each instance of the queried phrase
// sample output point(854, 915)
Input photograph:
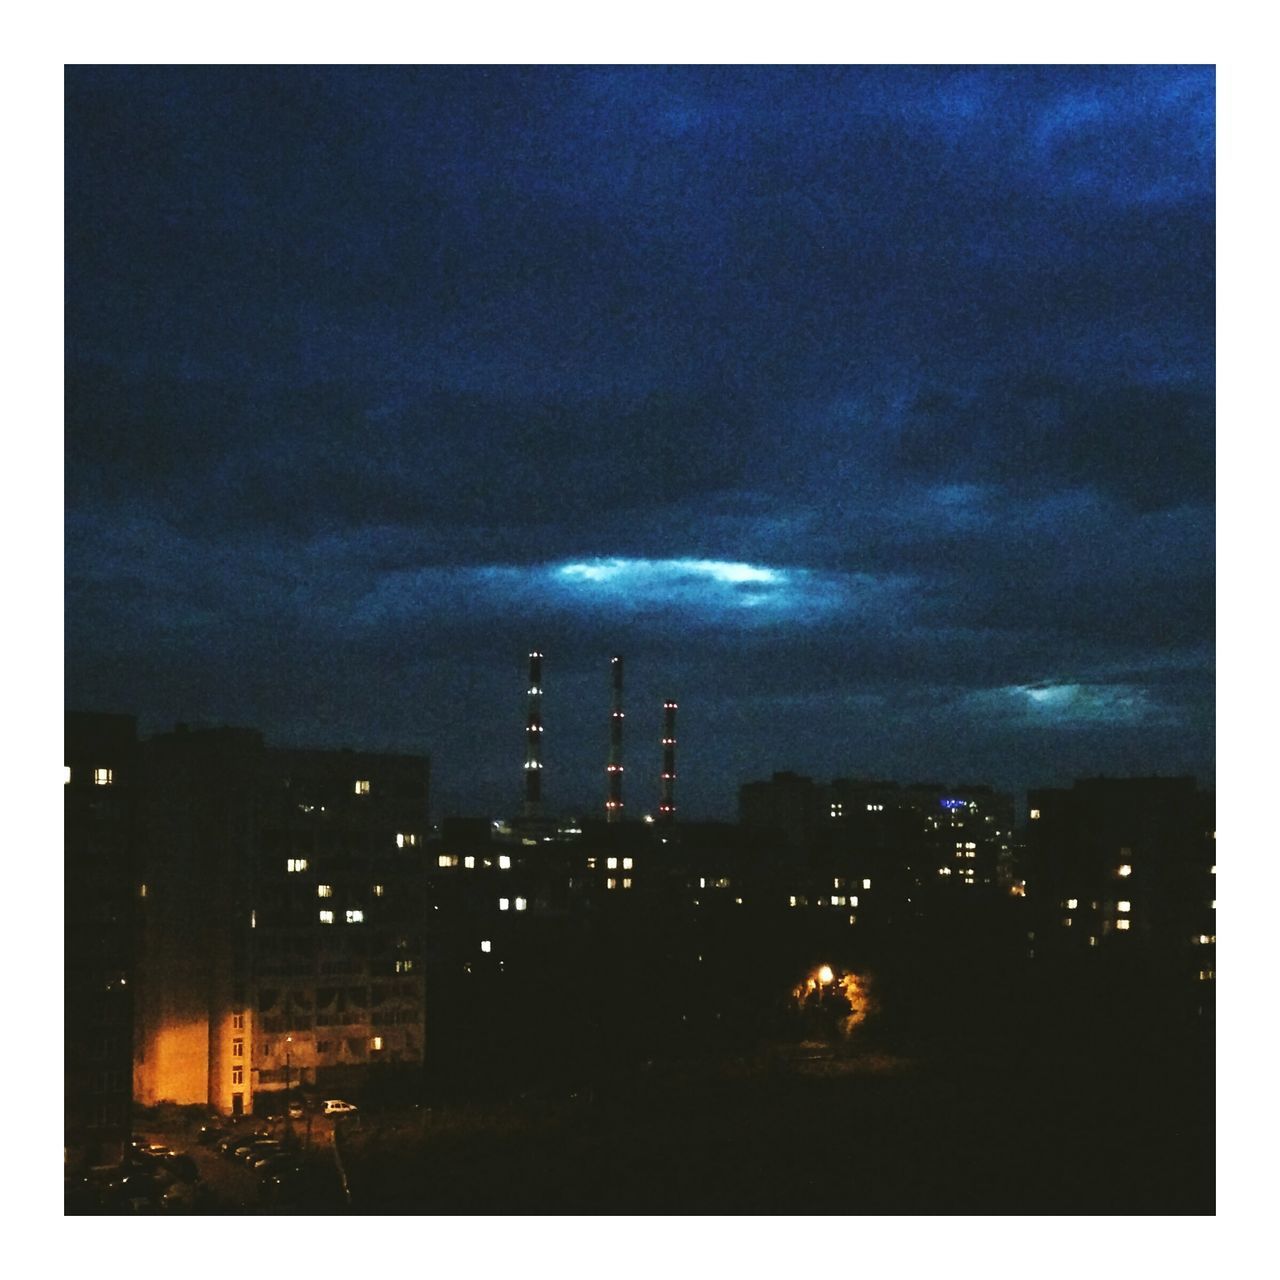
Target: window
point(447, 860)
point(611, 883)
point(504, 904)
point(237, 1048)
point(324, 891)
point(504, 862)
point(102, 777)
point(237, 1074)
point(326, 917)
point(323, 1046)
point(66, 774)
point(376, 1044)
point(793, 901)
point(853, 901)
point(253, 919)
point(626, 884)
point(237, 1021)
point(612, 864)
point(591, 864)
point(362, 787)
point(521, 904)
point(1206, 975)
point(1124, 869)
point(1124, 906)
point(1035, 813)
point(866, 884)
point(469, 861)
point(296, 864)
point(1072, 903)
point(404, 966)
point(266, 1049)
point(1122, 924)
point(355, 917)
point(406, 840)
point(628, 863)
point(486, 946)
point(142, 891)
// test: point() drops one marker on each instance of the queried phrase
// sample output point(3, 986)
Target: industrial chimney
point(667, 803)
point(533, 741)
point(613, 805)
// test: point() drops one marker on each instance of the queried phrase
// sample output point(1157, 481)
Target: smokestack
point(613, 805)
point(533, 741)
point(667, 804)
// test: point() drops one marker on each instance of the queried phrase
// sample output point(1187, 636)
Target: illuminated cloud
point(714, 592)
point(1049, 704)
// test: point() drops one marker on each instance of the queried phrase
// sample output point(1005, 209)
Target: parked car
point(336, 1107)
point(296, 1111)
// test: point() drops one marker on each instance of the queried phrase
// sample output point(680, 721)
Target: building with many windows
point(1126, 865)
point(281, 934)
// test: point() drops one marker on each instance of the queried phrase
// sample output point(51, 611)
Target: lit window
point(853, 901)
point(1206, 975)
point(1206, 938)
point(324, 891)
point(1124, 906)
point(378, 890)
point(375, 1043)
point(626, 884)
point(355, 917)
point(447, 860)
point(326, 917)
point(362, 787)
point(504, 904)
point(793, 900)
point(866, 884)
point(469, 861)
point(253, 919)
point(296, 864)
point(1124, 869)
point(486, 946)
point(1213, 870)
point(404, 966)
point(591, 864)
point(839, 900)
point(521, 904)
point(702, 882)
point(1035, 813)
point(1072, 903)
point(237, 1021)
point(142, 891)
point(1213, 905)
point(504, 862)
point(1067, 921)
point(610, 883)
point(612, 864)
point(237, 1074)
point(1093, 942)
point(628, 863)
point(102, 777)
point(237, 1048)
point(405, 840)
point(66, 774)
point(1122, 924)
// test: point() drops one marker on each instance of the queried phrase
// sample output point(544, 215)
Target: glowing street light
point(825, 975)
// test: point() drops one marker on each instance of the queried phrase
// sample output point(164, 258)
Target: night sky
point(868, 412)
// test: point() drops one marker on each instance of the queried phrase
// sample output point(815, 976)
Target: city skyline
point(868, 412)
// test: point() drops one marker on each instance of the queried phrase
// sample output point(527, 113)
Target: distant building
point(101, 888)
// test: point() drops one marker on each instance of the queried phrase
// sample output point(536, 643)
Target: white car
point(336, 1107)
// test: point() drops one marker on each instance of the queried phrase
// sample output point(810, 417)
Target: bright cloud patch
point(1078, 703)
point(713, 587)
point(714, 591)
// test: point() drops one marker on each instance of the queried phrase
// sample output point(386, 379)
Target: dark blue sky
point(868, 412)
